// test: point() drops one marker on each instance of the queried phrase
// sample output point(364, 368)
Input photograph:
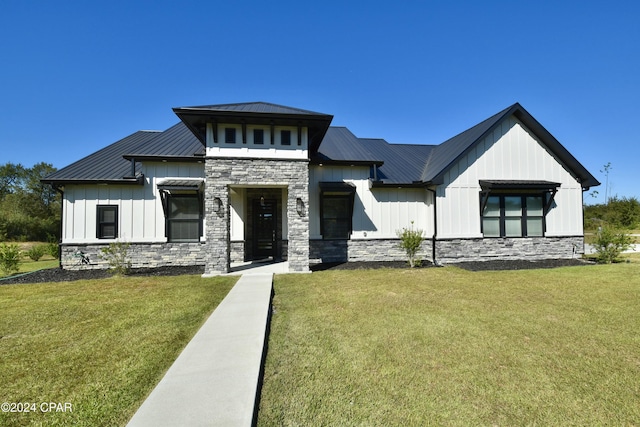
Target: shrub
point(53, 248)
point(9, 258)
point(117, 255)
point(411, 240)
point(610, 243)
point(36, 252)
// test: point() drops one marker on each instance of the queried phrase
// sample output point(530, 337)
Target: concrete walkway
point(214, 381)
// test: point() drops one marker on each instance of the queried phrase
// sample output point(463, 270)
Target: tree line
point(619, 212)
point(29, 209)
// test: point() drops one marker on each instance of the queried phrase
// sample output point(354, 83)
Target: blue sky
point(77, 76)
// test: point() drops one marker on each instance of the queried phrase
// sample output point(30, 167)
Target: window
point(285, 137)
point(336, 217)
point(184, 218)
point(513, 216)
point(230, 135)
point(107, 222)
point(258, 136)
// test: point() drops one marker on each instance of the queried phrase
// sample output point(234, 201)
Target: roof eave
point(139, 180)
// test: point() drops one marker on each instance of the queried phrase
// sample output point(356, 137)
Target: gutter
point(435, 228)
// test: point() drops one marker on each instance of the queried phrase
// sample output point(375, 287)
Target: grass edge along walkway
point(101, 345)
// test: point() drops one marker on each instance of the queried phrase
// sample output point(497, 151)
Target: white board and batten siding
point(250, 150)
point(140, 214)
point(379, 212)
point(510, 152)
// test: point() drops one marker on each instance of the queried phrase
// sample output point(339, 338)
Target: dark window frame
point(285, 137)
point(169, 222)
point(524, 216)
point(346, 219)
point(260, 140)
point(101, 224)
point(230, 135)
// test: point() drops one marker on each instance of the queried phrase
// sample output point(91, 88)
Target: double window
point(107, 222)
point(513, 216)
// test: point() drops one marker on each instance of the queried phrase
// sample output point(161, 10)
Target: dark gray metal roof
point(250, 107)
point(106, 165)
point(398, 164)
point(177, 141)
point(403, 163)
point(112, 164)
point(196, 118)
point(341, 146)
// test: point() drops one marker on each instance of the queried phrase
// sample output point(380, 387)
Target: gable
point(447, 154)
point(509, 152)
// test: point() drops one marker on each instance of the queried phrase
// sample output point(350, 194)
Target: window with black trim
point(230, 135)
point(184, 218)
point(507, 215)
point(107, 222)
point(285, 137)
point(258, 136)
point(336, 216)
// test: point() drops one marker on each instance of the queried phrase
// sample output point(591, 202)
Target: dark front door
point(264, 229)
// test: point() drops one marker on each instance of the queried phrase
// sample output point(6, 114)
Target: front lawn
point(444, 346)
point(99, 345)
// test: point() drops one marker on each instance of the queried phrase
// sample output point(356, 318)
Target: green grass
point(451, 347)
point(100, 345)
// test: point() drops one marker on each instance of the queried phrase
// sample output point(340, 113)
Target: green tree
point(29, 209)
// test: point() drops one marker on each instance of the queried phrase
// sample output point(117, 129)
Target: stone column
point(217, 223)
point(298, 251)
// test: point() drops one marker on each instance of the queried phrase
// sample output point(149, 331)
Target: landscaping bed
point(60, 275)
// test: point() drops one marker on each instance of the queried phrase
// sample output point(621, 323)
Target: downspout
point(435, 228)
point(61, 191)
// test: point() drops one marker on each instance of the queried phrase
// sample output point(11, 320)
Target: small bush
point(36, 252)
point(117, 255)
point(610, 243)
point(411, 240)
point(9, 258)
point(53, 249)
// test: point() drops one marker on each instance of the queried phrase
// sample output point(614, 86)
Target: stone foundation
point(362, 250)
point(141, 255)
point(527, 248)
point(150, 255)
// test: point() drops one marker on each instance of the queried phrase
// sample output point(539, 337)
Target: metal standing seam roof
point(105, 165)
point(251, 107)
point(398, 164)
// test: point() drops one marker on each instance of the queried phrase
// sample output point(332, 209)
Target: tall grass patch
point(450, 347)
point(100, 345)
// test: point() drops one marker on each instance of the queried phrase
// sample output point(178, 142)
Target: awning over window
point(180, 184)
point(337, 188)
point(177, 186)
point(518, 185)
point(548, 188)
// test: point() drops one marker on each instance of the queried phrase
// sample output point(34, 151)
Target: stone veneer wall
point(141, 255)
point(362, 250)
point(238, 253)
point(529, 248)
point(222, 173)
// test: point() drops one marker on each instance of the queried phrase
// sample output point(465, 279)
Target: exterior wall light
point(217, 204)
point(300, 206)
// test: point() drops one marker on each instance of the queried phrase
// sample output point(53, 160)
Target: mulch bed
point(59, 275)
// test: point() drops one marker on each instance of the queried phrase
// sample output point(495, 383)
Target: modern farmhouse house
point(256, 181)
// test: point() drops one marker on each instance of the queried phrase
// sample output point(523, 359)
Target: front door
point(264, 228)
